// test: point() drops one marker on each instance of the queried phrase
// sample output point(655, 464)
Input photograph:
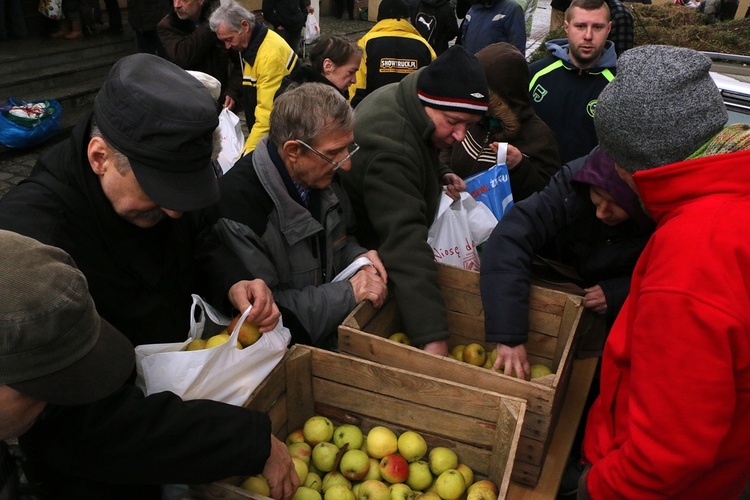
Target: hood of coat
point(599, 170)
point(508, 79)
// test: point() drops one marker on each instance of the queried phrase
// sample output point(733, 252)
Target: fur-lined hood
point(508, 79)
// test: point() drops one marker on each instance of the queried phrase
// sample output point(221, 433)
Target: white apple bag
point(223, 373)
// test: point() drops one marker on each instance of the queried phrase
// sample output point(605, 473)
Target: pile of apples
point(475, 354)
point(247, 336)
point(342, 463)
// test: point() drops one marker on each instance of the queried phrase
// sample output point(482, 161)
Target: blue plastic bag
point(492, 187)
point(24, 132)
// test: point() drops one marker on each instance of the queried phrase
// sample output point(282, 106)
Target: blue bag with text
point(492, 187)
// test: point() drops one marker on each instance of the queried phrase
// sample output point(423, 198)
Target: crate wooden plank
point(554, 318)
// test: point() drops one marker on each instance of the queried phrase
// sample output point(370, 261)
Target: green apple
point(301, 467)
point(354, 465)
point(401, 491)
point(300, 450)
point(441, 459)
point(297, 436)
point(466, 472)
point(458, 352)
point(485, 484)
point(481, 494)
point(420, 476)
point(348, 433)
point(374, 472)
point(394, 468)
point(305, 493)
point(539, 371)
point(428, 495)
point(372, 489)
point(450, 485)
point(412, 446)
point(400, 337)
point(381, 441)
point(338, 492)
point(475, 354)
point(257, 484)
point(313, 481)
point(334, 478)
point(317, 429)
point(324, 456)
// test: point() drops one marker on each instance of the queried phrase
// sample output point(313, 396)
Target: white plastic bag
point(232, 139)
point(458, 229)
point(312, 29)
point(223, 373)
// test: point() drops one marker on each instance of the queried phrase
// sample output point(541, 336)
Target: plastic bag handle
point(502, 153)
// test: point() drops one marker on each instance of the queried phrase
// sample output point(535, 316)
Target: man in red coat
point(673, 416)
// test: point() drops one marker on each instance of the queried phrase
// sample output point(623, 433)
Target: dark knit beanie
point(661, 107)
point(393, 9)
point(455, 81)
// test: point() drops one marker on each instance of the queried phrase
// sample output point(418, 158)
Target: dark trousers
point(147, 42)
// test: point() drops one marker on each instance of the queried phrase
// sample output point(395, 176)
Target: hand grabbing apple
point(514, 360)
point(265, 313)
point(280, 472)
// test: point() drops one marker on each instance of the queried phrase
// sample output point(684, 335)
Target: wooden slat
point(299, 388)
point(425, 390)
point(459, 279)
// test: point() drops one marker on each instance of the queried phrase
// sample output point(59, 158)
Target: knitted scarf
point(730, 140)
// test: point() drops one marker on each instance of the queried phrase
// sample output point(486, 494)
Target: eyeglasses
point(351, 148)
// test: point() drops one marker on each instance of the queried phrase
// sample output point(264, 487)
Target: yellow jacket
point(266, 61)
point(393, 48)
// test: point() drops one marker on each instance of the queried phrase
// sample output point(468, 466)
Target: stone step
point(45, 80)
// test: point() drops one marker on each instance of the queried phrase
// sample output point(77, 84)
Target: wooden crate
point(482, 427)
point(554, 316)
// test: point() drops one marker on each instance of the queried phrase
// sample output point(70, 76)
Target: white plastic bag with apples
point(223, 373)
point(459, 227)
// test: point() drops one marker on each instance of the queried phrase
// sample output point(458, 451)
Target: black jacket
point(291, 14)
point(564, 215)
point(140, 279)
point(125, 445)
point(436, 22)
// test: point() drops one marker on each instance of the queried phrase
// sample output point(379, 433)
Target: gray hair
point(232, 14)
point(122, 164)
point(304, 112)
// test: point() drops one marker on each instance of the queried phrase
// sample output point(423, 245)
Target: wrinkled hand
point(595, 299)
point(310, 9)
point(513, 359)
point(377, 263)
point(439, 347)
point(455, 185)
point(367, 284)
point(265, 314)
point(228, 103)
point(512, 158)
point(279, 471)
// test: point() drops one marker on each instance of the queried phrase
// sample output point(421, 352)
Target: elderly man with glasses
point(285, 216)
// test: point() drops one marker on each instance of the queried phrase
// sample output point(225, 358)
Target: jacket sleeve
point(506, 261)
point(615, 292)
point(396, 207)
point(129, 438)
point(540, 162)
point(320, 309)
point(186, 50)
point(516, 26)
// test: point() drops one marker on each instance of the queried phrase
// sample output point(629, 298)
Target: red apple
point(394, 468)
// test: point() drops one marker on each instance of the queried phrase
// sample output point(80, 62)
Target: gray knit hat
point(660, 109)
